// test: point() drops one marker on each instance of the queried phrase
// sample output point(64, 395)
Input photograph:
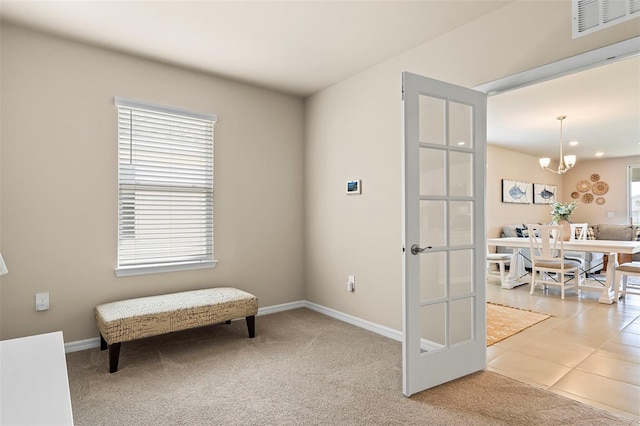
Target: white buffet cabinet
point(34, 386)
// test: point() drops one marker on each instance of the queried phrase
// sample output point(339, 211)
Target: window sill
point(158, 269)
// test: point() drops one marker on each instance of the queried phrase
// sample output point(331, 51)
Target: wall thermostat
point(354, 187)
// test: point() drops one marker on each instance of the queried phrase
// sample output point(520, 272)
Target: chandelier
point(566, 162)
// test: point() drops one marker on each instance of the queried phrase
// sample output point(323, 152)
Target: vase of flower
point(566, 225)
point(562, 216)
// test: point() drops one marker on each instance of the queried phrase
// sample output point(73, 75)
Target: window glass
point(165, 188)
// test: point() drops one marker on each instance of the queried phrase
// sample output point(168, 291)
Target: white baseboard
point(281, 308)
point(358, 322)
point(81, 345)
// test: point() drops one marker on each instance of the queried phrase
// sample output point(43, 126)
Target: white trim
point(358, 322)
point(133, 103)
point(594, 58)
point(128, 271)
point(281, 308)
point(81, 345)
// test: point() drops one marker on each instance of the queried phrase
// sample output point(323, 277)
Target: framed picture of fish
point(514, 191)
point(544, 194)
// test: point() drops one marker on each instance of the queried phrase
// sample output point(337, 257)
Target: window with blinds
point(165, 188)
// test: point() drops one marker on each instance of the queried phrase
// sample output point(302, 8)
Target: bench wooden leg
point(251, 325)
point(114, 355)
point(103, 343)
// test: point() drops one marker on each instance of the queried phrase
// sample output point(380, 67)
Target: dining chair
point(549, 267)
point(624, 271)
point(501, 259)
point(579, 231)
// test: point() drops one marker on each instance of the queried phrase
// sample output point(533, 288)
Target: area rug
point(504, 321)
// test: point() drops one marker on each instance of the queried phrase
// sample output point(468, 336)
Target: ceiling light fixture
point(566, 161)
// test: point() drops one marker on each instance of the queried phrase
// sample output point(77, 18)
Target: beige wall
point(274, 237)
point(505, 164)
point(353, 130)
point(59, 182)
point(614, 173)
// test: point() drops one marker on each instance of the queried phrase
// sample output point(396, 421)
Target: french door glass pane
point(461, 272)
point(432, 171)
point(460, 223)
point(461, 320)
point(433, 276)
point(460, 174)
point(460, 125)
point(433, 330)
point(432, 223)
point(431, 121)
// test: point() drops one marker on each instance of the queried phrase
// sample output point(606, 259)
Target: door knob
point(415, 249)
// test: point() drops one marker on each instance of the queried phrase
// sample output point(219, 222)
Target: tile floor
point(586, 351)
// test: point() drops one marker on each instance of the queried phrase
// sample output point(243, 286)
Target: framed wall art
point(514, 191)
point(544, 194)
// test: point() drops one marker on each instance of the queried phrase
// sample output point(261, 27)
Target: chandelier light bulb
point(565, 163)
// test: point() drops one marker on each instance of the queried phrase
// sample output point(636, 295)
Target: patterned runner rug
point(503, 321)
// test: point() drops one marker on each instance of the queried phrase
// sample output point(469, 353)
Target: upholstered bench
point(132, 319)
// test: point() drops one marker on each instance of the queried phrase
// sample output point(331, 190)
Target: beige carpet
point(303, 368)
point(504, 321)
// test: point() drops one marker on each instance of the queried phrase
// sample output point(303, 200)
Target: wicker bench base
point(133, 319)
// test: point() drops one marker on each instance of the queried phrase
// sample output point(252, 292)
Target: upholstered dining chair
point(579, 231)
point(548, 263)
point(624, 271)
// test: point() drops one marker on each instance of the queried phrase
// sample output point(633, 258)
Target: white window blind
point(165, 188)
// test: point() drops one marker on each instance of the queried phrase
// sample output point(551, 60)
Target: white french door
point(444, 322)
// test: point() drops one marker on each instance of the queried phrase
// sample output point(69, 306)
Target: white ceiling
point(298, 47)
point(602, 106)
point(301, 47)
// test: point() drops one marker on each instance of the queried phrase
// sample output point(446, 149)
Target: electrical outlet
point(42, 301)
point(351, 283)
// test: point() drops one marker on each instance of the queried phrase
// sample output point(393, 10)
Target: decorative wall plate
point(600, 188)
point(595, 177)
point(583, 186)
point(587, 198)
point(575, 194)
point(600, 201)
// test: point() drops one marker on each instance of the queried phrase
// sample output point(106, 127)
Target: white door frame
point(604, 55)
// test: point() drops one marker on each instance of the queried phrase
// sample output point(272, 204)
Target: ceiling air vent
point(593, 15)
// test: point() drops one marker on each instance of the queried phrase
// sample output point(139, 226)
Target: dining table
point(609, 247)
